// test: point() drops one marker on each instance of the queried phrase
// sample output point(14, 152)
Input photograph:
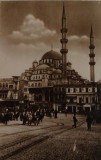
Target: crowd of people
point(27, 116)
point(7, 115)
point(35, 117)
point(32, 117)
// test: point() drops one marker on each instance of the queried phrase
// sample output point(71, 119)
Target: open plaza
point(52, 139)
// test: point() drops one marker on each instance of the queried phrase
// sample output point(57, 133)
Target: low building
point(76, 98)
point(9, 91)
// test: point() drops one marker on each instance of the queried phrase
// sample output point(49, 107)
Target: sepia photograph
point(50, 80)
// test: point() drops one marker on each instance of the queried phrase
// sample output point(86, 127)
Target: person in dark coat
point(75, 121)
point(24, 118)
point(89, 122)
point(55, 113)
point(66, 109)
point(6, 117)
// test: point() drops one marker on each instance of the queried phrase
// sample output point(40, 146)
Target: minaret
point(64, 41)
point(92, 55)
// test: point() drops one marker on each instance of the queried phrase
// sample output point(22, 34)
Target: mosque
point(52, 81)
point(53, 71)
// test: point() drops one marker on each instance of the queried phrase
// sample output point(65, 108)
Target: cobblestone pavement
point(53, 139)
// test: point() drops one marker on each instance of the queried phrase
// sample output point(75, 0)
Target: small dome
point(35, 61)
point(42, 67)
point(57, 71)
point(30, 69)
point(34, 64)
point(68, 68)
point(99, 82)
point(52, 55)
point(26, 71)
point(69, 63)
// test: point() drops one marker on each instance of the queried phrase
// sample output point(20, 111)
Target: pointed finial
point(63, 13)
point(91, 32)
point(63, 17)
point(51, 46)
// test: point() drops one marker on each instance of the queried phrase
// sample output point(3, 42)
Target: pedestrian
point(75, 121)
point(29, 118)
point(89, 121)
point(55, 113)
point(21, 116)
point(66, 112)
point(24, 118)
point(49, 113)
point(6, 118)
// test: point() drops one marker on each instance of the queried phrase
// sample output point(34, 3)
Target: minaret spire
point(64, 41)
point(51, 47)
point(91, 32)
point(63, 13)
point(92, 55)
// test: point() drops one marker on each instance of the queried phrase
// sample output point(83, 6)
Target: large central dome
point(52, 55)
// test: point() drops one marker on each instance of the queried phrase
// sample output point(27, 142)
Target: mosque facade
point(53, 82)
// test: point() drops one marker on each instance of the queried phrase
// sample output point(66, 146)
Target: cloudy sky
point(28, 29)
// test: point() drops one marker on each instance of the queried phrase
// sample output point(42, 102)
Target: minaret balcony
point(92, 63)
point(64, 30)
point(91, 46)
point(91, 55)
point(64, 40)
point(64, 51)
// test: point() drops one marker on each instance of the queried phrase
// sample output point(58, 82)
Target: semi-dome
point(68, 68)
point(42, 67)
point(57, 71)
point(52, 55)
point(35, 61)
point(69, 63)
